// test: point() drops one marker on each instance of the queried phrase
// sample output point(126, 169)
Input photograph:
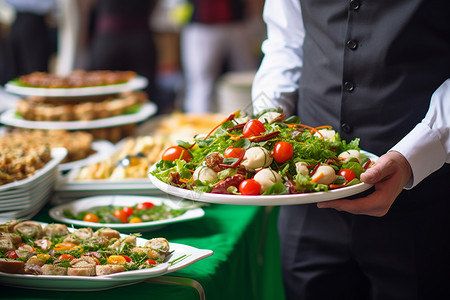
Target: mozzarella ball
point(302, 168)
point(350, 154)
point(256, 158)
point(328, 134)
point(328, 177)
point(266, 178)
point(204, 173)
point(269, 116)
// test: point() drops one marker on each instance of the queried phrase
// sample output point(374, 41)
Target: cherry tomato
point(144, 205)
point(66, 257)
point(128, 210)
point(175, 152)
point(253, 128)
point(91, 218)
point(135, 220)
point(250, 187)
point(12, 254)
point(127, 259)
point(282, 152)
point(121, 215)
point(233, 152)
point(348, 174)
point(150, 262)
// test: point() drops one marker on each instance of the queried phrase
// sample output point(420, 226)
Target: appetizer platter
point(266, 160)
point(54, 257)
point(76, 84)
point(125, 213)
point(146, 110)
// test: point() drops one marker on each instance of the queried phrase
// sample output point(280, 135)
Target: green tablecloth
point(245, 263)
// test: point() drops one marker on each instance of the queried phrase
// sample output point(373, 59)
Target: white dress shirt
point(426, 147)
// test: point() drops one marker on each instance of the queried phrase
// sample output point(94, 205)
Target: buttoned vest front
point(371, 66)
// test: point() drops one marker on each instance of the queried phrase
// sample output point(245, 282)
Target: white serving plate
point(102, 148)
point(264, 200)
point(136, 83)
point(147, 109)
point(124, 200)
point(182, 257)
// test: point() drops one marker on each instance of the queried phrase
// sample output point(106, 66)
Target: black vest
point(371, 66)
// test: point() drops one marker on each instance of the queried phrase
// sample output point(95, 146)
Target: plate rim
point(264, 200)
point(136, 83)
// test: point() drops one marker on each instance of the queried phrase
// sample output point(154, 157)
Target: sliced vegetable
point(253, 128)
point(250, 187)
point(348, 174)
point(121, 215)
point(176, 152)
point(90, 218)
point(282, 152)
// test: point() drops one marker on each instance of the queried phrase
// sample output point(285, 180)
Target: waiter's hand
point(389, 174)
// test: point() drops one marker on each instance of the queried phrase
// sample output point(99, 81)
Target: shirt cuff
point(424, 152)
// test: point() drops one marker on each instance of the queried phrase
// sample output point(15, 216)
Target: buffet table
point(245, 263)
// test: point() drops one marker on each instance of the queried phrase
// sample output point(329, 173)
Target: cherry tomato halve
point(348, 174)
point(250, 187)
point(66, 257)
point(176, 152)
point(150, 262)
point(253, 128)
point(128, 210)
point(233, 152)
point(90, 217)
point(282, 152)
point(144, 205)
point(121, 215)
point(11, 254)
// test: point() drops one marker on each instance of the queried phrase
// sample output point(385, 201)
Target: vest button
point(352, 44)
point(346, 127)
point(354, 4)
point(348, 86)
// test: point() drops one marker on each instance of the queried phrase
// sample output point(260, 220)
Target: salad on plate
point(270, 154)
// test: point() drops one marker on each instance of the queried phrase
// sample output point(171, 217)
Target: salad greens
point(113, 213)
point(235, 152)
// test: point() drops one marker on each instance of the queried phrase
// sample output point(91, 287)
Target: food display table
point(245, 263)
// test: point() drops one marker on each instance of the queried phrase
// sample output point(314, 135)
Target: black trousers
point(328, 254)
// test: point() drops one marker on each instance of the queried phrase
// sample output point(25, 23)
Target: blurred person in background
point(29, 44)
point(122, 39)
point(214, 39)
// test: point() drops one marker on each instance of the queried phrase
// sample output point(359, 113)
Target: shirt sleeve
point(277, 79)
point(427, 146)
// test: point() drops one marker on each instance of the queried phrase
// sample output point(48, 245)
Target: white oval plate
point(136, 83)
point(102, 149)
point(264, 200)
point(182, 257)
point(147, 109)
point(123, 200)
